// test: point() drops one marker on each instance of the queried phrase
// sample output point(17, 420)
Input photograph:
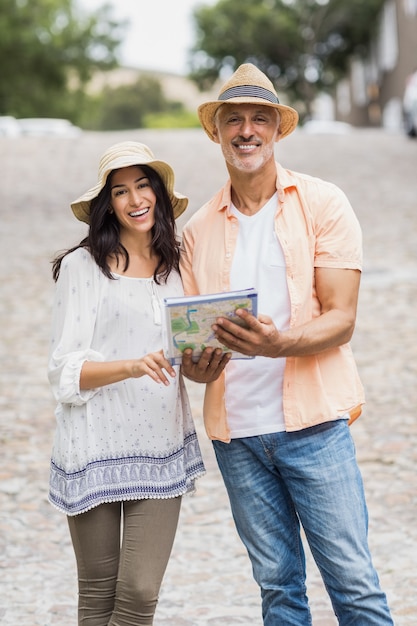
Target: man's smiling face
point(247, 134)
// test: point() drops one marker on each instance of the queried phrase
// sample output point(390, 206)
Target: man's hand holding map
point(188, 321)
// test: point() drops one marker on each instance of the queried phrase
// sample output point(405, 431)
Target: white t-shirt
point(254, 386)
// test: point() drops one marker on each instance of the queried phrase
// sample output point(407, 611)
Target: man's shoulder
point(209, 210)
point(292, 178)
point(318, 191)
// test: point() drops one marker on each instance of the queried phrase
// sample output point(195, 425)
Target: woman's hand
point(154, 365)
point(101, 373)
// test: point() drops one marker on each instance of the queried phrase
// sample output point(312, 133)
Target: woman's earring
point(110, 209)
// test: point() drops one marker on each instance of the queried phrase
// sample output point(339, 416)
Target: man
point(280, 422)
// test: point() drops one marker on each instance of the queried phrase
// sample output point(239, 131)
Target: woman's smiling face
point(133, 199)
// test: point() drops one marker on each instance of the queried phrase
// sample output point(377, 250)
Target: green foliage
point(48, 53)
point(175, 119)
point(125, 106)
point(302, 45)
point(139, 105)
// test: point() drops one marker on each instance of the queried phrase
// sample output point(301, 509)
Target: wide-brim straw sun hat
point(125, 154)
point(248, 85)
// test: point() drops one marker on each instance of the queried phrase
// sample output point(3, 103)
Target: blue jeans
point(276, 481)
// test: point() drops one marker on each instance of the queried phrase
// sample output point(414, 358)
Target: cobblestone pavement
point(208, 581)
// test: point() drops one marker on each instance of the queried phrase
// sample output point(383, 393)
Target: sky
point(160, 31)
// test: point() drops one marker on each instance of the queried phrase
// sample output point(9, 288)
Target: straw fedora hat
point(248, 85)
point(125, 154)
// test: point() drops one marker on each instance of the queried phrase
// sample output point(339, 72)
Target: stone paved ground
point(208, 582)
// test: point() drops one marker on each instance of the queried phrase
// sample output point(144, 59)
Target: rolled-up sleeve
point(74, 316)
point(338, 233)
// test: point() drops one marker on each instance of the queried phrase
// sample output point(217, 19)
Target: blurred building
point(372, 94)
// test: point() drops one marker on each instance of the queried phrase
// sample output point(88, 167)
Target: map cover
point(188, 321)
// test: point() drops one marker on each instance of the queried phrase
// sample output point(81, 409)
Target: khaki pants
point(122, 550)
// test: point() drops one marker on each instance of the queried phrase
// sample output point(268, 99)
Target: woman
point(125, 448)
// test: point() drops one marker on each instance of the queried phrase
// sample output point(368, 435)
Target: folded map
point(188, 321)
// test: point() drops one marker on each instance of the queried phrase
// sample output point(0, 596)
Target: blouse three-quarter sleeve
point(73, 321)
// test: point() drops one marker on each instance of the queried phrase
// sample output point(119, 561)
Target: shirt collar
point(285, 180)
point(226, 197)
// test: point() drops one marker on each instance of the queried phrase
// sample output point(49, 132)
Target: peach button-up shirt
point(316, 227)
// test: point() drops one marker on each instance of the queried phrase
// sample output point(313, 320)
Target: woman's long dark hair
point(103, 237)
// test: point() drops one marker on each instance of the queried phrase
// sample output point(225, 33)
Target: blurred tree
point(302, 45)
point(129, 106)
point(48, 52)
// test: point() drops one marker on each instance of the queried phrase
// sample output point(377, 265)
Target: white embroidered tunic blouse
point(129, 440)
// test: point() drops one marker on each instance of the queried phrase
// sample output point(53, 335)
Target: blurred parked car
point(410, 105)
point(43, 126)
point(9, 126)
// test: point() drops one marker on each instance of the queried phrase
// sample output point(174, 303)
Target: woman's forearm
point(98, 374)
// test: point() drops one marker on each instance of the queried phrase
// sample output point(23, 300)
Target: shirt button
point(228, 255)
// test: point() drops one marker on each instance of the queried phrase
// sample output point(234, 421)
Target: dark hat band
point(249, 91)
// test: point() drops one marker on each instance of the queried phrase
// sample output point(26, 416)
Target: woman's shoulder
point(78, 265)
point(173, 286)
point(78, 258)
